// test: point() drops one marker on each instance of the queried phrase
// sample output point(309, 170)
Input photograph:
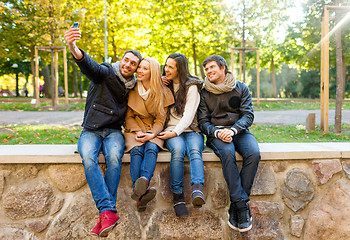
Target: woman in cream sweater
point(182, 135)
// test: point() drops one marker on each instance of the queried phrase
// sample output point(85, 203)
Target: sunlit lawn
point(41, 134)
point(264, 106)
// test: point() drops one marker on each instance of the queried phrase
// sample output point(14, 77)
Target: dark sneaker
point(147, 197)
point(233, 217)
point(180, 205)
point(197, 195)
point(109, 220)
point(140, 189)
point(244, 218)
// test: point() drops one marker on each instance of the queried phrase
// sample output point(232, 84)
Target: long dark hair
point(184, 74)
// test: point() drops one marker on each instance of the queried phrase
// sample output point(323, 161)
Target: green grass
point(41, 134)
point(297, 133)
point(275, 106)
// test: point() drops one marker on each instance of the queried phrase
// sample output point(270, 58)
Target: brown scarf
point(228, 85)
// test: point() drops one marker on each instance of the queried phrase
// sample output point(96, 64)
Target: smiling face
point(128, 64)
point(144, 71)
point(214, 73)
point(170, 70)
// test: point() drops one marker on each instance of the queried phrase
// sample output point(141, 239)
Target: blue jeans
point(239, 183)
point(190, 143)
point(103, 188)
point(143, 160)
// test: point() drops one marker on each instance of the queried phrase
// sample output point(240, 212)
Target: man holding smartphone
point(105, 110)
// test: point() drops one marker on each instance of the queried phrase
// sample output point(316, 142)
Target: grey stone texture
point(325, 169)
point(265, 181)
point(296, 225)
point(298, 189)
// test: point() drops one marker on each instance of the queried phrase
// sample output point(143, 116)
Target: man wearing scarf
point(104, 115)
point(225, 113)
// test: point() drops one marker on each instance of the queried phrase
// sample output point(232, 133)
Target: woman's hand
point(144, 137)
point(166, 135)
point(165, 80)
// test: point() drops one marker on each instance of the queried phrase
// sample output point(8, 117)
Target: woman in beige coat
point(145, 118)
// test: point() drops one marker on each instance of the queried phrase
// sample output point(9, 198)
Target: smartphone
point(76, 25)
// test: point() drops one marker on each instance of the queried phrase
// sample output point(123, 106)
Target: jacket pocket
point(102, 108)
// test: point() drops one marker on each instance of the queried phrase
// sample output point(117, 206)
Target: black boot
point(244, 218)
point(233, 217)
point(180, 205)
point(197, 195)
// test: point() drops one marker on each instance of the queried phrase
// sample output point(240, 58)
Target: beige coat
point(142, 116)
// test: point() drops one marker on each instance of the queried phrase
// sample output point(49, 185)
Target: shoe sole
point(146, 199)
point(141, 185)
point(245, 229)
point(106, 231)
point(230, 225)
point(197, 202)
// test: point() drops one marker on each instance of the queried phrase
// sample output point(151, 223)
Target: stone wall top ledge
point(269, 151)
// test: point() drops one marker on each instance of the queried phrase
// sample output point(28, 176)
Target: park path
point(285, 117)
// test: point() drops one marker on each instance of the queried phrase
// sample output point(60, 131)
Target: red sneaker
point(109, 220)
point(96, 230)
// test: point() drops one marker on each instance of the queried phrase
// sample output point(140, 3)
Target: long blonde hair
point(157, 87)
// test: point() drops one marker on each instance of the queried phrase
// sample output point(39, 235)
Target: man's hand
point(166, 135)
point(71, 36)
point(226, 135)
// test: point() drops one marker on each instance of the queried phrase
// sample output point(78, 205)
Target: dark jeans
point(239, 183)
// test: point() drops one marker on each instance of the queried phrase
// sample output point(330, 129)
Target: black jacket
point(232, 109)
point(106, 101)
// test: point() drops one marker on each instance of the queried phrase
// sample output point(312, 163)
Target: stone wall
point(291, 199)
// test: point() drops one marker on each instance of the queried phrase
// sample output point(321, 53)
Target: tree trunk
point(194, 58)
point(243, 43)
point(74, 79)
point(340, 87)
point(32, 65)
point(202, 71)
point(47, 81)
point(273, 78)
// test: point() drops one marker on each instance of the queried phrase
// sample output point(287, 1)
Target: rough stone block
point(67, 177)
point(32, 199)
point(296, 225)
point(298, 190)
point(220, 196)
point(325, 169)
point(330, 217)
point(346, 167)
point(37, 225)
point(310, 121)
point(266, 222)
point(14, 233)
point(265, 181)
point(200, 224)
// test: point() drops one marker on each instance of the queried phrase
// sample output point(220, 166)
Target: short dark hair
point(136, 53)
point(219, 60)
